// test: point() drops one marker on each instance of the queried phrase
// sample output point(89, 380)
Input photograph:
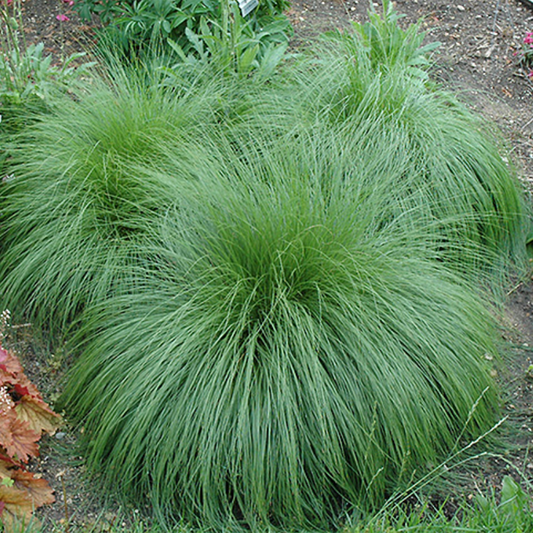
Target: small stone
point(60, 435)
point(460, 8)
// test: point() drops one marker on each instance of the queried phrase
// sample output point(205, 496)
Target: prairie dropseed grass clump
point(270, 283)
point(457, 180)
point(88, 180)
point(281, 361)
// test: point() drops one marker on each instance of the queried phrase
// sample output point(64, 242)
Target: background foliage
point(138, 25)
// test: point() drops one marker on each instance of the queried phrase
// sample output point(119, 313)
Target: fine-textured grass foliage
point(89, 178)
point(280, 356)
point(271, 332)
point(380, 73)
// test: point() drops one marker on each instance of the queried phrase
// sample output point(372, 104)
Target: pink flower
point(530, 74)
point(528, 39)
point(62, 18)
point(70, 3)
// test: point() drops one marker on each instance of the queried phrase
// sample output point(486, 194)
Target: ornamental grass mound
point(86, 182)
point(91, 178)
point(280, 357)
point(272, 320)
point(380, 73)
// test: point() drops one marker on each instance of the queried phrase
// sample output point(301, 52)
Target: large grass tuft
point(271, 331)
point(278, 359)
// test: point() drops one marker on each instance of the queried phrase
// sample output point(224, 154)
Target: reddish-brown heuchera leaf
point(22, 386)
point(37, 488)
point(24, 441)
point(9, 363)
point(6, 467)
point(23, 417)
point(17, 504)
point(18, 507)
point(7, 418)
point(20, 390)
point(5, 376)
point(38, 414)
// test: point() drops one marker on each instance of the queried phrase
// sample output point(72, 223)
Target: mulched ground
point(479, 40)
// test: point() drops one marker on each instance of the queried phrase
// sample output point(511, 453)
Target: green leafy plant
point(388, 47)
point(142, 26)
point(105, 9)
point(29, 81)
point(25, 72)
point(151, 22)
point(31, 74)
point(513, 498)
point(233, 47)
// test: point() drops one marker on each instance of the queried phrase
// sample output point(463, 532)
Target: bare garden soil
point(476, 59)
